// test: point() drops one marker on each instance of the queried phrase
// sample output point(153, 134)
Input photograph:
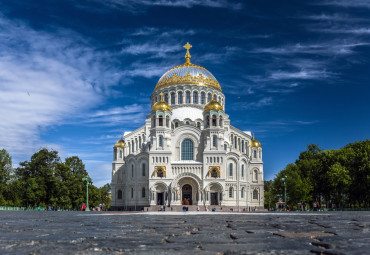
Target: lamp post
point(284, 181)
point(87, 179)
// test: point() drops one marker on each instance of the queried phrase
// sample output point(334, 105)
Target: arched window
point(167, 121)
point(133, 146)
point(221, 123)
point(255, 154)
point(242, 170)
point(225, 147)
point(231, 169)
point(187, 97)
point(187, 123)
point(143, 192)
point(209, 97)
point(166, 97)
point(202, 98)
point(214, 120)
point(139, 141)
point(235, 142)
point(132, 170)
point(242, 193)
point(179, 99)
point(119, 194)
point(173, 99)
point(219, 99)
point(160, 141)
point(214, 173)
point(176, 124)
point(195, 97)
point(160, 173)
point(143, 169)
point(214, 143)
point(255, 194)
point(260, 154)
point(242, 146)
point(231, 192)
point(160, 121)
point(132, 192)
point(255, 175)
point(120, 154)
point(207, 121)
point(215, 97)
point(198, 124)
point(187, 150)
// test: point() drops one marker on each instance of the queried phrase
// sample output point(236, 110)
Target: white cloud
point(302, 74)
point(45, 79)
point(253, 105)
point(137, 5)
point(346, 3)
point(129, 116)
point(330, 48)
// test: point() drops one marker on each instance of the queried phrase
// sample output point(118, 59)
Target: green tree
point(339, 180)
point(5, 172)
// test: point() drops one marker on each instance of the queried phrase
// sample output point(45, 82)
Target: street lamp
point(284, 179)
point(87, 179)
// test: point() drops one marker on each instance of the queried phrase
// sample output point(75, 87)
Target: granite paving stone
point(45, 232)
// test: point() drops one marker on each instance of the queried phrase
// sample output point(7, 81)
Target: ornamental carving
point(199, 80)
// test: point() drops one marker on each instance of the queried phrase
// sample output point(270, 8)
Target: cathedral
point(187, 152)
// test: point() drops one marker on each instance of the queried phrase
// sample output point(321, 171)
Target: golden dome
point(120, 143)
point(255, 143)
point(161, 105)
point(213, 105)
point(188, 73)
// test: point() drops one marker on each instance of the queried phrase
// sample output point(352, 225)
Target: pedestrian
point(198, 208)
point(83, 207)
point(101, 207)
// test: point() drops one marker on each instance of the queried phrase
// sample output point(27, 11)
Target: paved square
point(178, 233)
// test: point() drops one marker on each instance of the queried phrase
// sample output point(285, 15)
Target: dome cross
point(187, 46)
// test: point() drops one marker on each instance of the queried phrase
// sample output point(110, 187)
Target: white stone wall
point(127, 171)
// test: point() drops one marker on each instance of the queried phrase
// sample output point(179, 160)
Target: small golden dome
point(161, 105)
point(255, 143)
point(213, 105)
point(120, 143)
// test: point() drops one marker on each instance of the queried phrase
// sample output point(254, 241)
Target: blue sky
point(75, 74)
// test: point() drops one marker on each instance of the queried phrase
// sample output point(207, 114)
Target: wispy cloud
point(43, 78)
point(138, 5)
point(129, 116)
point(302, 74)
point(346, 3)
point(334, 47)
point(253, 105)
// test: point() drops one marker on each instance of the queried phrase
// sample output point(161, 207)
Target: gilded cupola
point(188, 73)
point(120, 143)
point(213, 105)
point(161, 105)
point(255, 143)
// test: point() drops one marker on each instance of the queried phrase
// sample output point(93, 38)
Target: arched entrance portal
point(187, 194)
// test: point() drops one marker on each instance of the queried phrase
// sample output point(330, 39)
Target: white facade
point(186, 154)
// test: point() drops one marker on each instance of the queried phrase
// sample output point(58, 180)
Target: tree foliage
point(334, 178)
point(45, 180)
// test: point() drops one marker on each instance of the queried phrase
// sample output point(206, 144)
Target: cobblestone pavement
point(176, 233)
